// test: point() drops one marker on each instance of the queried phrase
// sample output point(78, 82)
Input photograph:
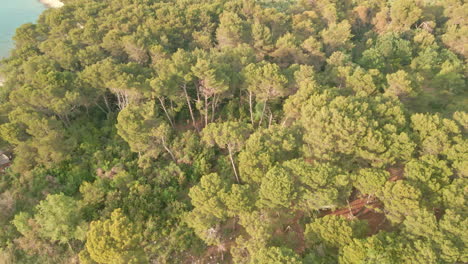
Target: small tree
point(264, 149)
point(400, 200)
point(404, 13)
point(430, 175)
point(435, 134)
point(275, 255)
point(337, 35)
point(213, 85)
point(210, 210)
point(277, 189)
point(371, 129)
point(60, 218)
point(266, 82)
point(228, 135)
point(231, 31)
point(115, 240)
point(334, 231)
point(320, 185)
point(370, 181)
point(145, 132)
point(399, 85)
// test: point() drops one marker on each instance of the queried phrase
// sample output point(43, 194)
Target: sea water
point(14, 13)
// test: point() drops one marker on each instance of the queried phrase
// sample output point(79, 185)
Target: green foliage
point(227, 135)
point(37, 140)
point(399, 85)
point(265, 81)
point(60, 219)
point(388, 54)
point(210, 210)
point(230, 135)
point(435, 133)
point(275, 255)
point(454, 195)
point(230, 32)
point(129, 119)
point(264, 149)
point(115, 240)
point(387, 248)
point(453, 230)
point(334, 231)
point(360, 81)
point(400, 200)
point(370, 181)
point(307, 86)
point(404, 14)
point(356, 128)
point(144, 132)
point(239, 199)
point(21, 222)
point(277, 189)
point(288, 51)
point(207, 196)
point(430, 176)
point(321, 186)
point(337, 35)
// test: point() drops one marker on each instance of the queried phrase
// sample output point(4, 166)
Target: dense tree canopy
point(236, 131)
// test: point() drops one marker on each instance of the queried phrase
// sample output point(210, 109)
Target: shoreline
point(52, 3)
point(46, 4)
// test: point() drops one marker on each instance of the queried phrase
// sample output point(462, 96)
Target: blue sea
point(14, 13)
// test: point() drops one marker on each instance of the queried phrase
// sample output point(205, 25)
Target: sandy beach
point(52, 3)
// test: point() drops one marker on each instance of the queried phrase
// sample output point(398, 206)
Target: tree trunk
point(161, 100)
point(250, 108)
point(233, 165)
point(119, 101)
point(70, 247)
point(284, 122)
point(240, 99)
point(270, 119)
point(168, 150)
point(263, 113)
point(67, 119)
point(102, 109)
point(213, 107)
point(64, 119)
point(122, 98)
point(190, 107)
point(106, 103)
point(206, 110)
point(198, 91)
point(127, 98)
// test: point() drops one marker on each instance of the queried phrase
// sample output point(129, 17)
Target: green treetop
point(60, 218)
point(228, 135)
point(115, 240)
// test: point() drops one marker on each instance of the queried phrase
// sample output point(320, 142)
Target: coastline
point(52, 3)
